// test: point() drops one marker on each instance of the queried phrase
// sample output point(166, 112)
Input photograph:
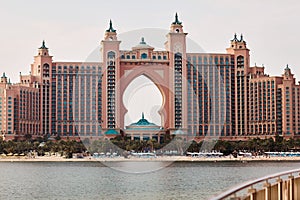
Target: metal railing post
point(291, 186)
point(279, 188)
point(267, 187)
point(252, 193)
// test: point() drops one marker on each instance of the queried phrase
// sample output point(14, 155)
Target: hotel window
point(210, 60)
point(199, 60)
point(205, 60)
point(216, 60)
point(222, 61)
point(240, 61)
point(227, 61)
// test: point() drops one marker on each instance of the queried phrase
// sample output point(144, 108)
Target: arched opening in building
point(142, 96)
point(144, 56)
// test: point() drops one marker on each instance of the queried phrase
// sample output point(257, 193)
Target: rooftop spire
point(242, 38)
point(287, 67)
point(143, 117)
point(235, 38)
point(142, 41)
point(43, 45)
point(110, 29)
point(176, 20)
point(3, 76)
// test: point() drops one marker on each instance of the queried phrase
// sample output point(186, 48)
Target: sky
point(74, 28)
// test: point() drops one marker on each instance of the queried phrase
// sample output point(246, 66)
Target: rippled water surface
point(93, 180)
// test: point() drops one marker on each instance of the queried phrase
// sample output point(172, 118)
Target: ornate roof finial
point(242, 38)
point(110, 29)
point(143, 117)
point(9, 81)
point(287, 67)
point(3, 76)
point(43, 45)
point(235, 38)
point(142, 41)
point(176, 20)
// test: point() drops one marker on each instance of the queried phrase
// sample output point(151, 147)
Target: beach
point(152, 159)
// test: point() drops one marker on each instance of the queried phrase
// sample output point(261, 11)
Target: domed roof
point(142, 45)
point(143, 122)
point(111, 132)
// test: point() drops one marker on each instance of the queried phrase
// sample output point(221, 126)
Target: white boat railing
point(234, 193)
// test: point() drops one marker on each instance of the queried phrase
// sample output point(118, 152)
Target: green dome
point(142, 45)
point(111, 132)
point(143, 122)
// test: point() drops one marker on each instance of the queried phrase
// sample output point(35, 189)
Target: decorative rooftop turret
point(142, 41)
point(176, 20)
point(287, 68)
point(242, 38)
point(3, 78)
point(237, 43)
point(176, 26)
point(43, 45)
point(110, 29)
point(235, 38)
point(43, 50)
point(110, 33)
point(287, 73)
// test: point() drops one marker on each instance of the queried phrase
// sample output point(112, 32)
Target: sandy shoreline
point(157, 159)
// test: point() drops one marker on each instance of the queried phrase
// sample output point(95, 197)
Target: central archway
point(158, 74)
point(142, 96)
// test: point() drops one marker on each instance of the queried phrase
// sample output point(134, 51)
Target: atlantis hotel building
point(214, 95)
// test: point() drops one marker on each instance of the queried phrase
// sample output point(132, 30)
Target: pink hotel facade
point(204, 95)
